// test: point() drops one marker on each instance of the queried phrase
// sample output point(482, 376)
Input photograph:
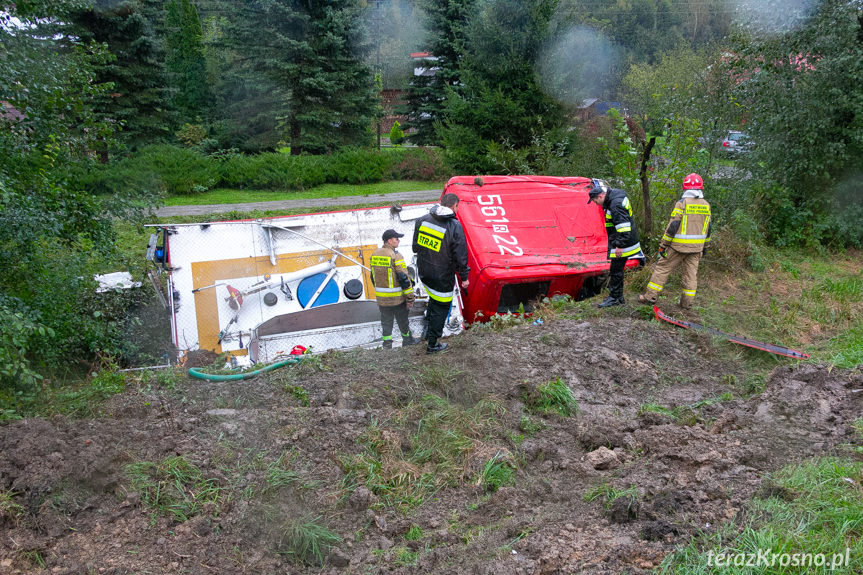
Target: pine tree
point(314, 52)
point(186, 63)
point(499, 100)
point(137, 101)
point(446, 23)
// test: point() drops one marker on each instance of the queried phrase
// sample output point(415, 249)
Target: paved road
point(383, 199)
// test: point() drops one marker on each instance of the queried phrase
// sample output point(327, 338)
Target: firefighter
point(684, 242)
point(622, 236)
point(441, 248)
point(393, 289)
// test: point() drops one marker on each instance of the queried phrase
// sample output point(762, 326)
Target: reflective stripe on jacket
point(441, 249)
point(390, 277)
point(620, 225)
point(689, 228)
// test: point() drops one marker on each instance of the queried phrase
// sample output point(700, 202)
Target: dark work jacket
point(441, 249)
point(620, 225)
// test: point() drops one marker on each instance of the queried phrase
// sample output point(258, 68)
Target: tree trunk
point(645, 184)
point(296, 141)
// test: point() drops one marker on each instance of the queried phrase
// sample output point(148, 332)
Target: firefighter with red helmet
point(684, 242)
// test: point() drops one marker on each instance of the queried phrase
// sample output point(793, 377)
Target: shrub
point(397, 136)
point(356, 166)
point(191, 134)
point(164, 169)
point(425, 164)
point(273, 171)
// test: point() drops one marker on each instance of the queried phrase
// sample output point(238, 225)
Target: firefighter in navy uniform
point(441, 249)
point(393, 289)
point(685, 240)
point(622, 236)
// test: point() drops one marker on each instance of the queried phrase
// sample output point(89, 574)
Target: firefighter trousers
point(398, 313)
point(688, 275)
point(436, 314)
point(615, 277)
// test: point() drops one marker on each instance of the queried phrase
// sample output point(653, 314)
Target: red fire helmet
point(693, 182)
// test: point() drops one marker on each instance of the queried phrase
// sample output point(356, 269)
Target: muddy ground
point(291, 444)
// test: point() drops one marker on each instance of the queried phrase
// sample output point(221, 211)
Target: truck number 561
point(492, 208)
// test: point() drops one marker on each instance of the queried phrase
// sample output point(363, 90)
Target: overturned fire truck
point(259, 288)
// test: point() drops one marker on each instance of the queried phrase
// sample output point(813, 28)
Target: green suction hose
point(196, 371)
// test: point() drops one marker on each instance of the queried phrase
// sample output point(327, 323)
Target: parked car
point(736, 143)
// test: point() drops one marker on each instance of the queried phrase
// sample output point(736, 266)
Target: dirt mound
point(398, 462)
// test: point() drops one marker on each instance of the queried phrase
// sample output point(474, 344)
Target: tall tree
point(315, 52)
point(446, 26)
point(500, 99)
point(247, 102)
point(186, 63)
point(137, 102)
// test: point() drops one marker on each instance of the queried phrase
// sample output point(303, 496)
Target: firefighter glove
point(663, 252)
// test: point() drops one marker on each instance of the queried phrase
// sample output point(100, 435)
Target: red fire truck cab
point(528, 237)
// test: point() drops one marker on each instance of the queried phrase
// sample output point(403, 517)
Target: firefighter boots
point(436, 348)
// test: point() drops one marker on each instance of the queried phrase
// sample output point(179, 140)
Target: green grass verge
point(809, 520)
point(230, 196)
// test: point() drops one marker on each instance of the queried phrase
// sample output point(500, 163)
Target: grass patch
point(279, 476)
point(404, 557)
point(428, 446)
point(551, 397)
point(530, 426)
point(308, 541)
point(846, 349)
point(440, 376)
point(415, 533)
point(233, 196)
point(299, 393)
point(820, 511)
point(609, 494)
point(10, 511)
point(174, 486)
point(496, 473)
point(684, 414)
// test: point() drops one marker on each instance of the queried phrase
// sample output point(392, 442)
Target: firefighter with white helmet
point(684, 242)
point(623, 243)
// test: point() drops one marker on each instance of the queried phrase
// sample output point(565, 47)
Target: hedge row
point(174, 170)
